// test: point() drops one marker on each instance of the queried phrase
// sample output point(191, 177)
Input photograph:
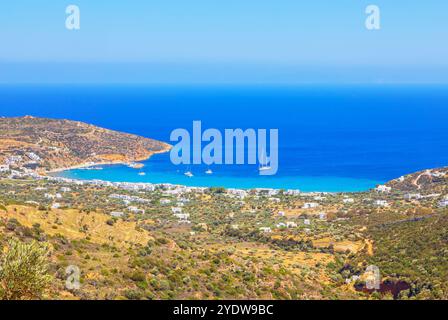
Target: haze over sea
point(331, 138)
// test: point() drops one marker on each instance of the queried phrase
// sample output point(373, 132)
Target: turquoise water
point(331, 138)
point(155, 172)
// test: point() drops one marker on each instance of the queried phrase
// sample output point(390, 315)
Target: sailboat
point(188, 174)
point(209, 171)
point(264, 164)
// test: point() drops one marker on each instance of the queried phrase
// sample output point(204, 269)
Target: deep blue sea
point(331, 138)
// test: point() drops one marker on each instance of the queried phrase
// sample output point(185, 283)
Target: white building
point(438, 174)
point(307, 222)
point(381, 203)
point(33, 156)
point(165, 201)
point(322, 216)
point(13, 160)
point(176, 210)
point(310, 205)
point(281, 225)
point(136, 210)
point(117, 214)
point(383, 189)
point(410, 196)
point(241, 194)
point(281, 213)
point(265, 229)
point(55, 205)
point(182, 216)
point(290, 224)
point(443, 203)
point(292, 192)
point(348, 200)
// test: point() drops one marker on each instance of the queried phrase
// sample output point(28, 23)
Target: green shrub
point(24, 271)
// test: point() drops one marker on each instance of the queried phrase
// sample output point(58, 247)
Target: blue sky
point(224, 41)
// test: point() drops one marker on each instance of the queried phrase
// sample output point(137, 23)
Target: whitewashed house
point(310, 205)
point(182, 216)
point(381, 203)
point(165, 201)
point(281, 225)
point(410, 196)
point(348, 200)
point(265, 229)
point(176, 210)
point(117, 214)
point(292, 192)
point(443, 203)
point(136, 210)
point(383, 189)
point(55, 205)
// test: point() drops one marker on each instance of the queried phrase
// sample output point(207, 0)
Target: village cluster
point(284, 209)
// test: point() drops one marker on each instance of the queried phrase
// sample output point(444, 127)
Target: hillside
point(434, 180)
point(51, 144)
point(159, 241)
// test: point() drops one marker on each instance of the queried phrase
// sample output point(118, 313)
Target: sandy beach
point(104, 163)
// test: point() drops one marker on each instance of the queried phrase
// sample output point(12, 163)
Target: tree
point(24, 271)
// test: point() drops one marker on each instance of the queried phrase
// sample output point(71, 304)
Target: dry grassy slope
point(65, 143)
point(75, 225)
point(431, 180)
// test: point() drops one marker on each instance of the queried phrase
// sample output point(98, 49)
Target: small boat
point(142, 174)
point(135, 165)
point(264, 164)
point(188, 174)
point(209, 171)
point(264, 168)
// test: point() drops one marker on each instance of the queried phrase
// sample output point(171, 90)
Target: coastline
point(103, 163)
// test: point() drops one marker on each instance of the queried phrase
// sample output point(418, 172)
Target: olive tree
point(24, 270)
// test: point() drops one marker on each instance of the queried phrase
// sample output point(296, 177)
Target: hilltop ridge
point(49, 144)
